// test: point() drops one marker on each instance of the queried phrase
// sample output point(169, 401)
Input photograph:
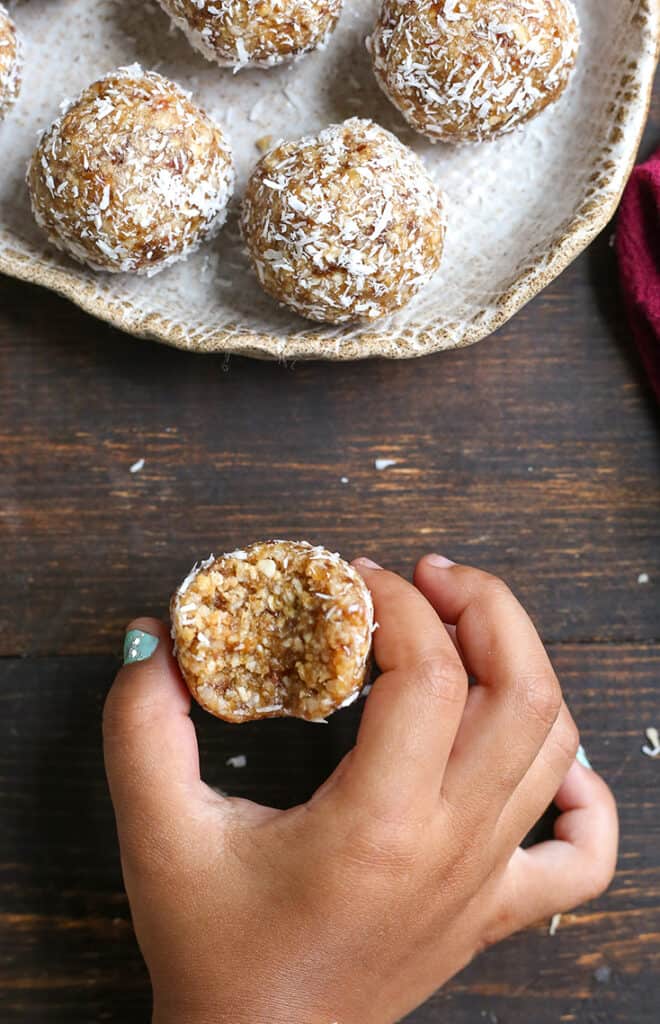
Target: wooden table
point(535, 454)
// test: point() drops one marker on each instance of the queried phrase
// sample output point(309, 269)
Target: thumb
point(149, 741)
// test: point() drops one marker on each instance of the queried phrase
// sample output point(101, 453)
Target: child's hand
point(354, 907)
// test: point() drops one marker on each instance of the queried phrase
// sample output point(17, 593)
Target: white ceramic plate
point(520, 209)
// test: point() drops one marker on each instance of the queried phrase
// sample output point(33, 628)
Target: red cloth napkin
point(638, 252)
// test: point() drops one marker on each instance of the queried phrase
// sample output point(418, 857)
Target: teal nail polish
point(138, 646)
point(582, 758)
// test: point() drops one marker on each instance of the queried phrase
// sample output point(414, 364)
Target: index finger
point(517, 698)
point(414, 709)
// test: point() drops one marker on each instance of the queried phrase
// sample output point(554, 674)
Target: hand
point(356, 906)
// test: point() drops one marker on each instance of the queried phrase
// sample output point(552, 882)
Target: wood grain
point(534, 454)
point(66, 947)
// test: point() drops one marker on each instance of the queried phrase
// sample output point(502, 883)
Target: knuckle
point(566, 739)
point(386, 847)
point(441, 680)
point(499, 913)
point(603, 856)
point(501, 924)
point(599, 879)
point(540, 698)
point(493, 590)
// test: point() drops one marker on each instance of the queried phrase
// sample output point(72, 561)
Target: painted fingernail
point(440, 562)
point(138, 646)
point(582, 757)
point(367, 563)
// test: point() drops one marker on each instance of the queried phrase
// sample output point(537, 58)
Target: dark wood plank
point(535, 454)
point(66, 948)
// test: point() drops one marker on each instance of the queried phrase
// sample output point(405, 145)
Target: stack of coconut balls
point(343, 226)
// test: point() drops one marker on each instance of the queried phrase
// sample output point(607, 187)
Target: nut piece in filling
point(254, 33)
point(472, 70)
point(10, 63)
point(346, 225)
point(133, 176)
point(282, 628)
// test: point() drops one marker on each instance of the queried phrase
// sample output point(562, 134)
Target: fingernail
point(582, 757)
point(440, 562)
point(138, 646)
point(367, 563)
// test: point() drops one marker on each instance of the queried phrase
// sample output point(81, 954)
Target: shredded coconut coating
point(254, 33)
point(10, 63)
point(343, 226)
point(470, 70)
point(282, 628)
point(133, 176)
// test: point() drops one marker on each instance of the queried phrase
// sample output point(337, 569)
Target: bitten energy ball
point(281, 628)
point(10, 63)
point(133, 176)
point(342, 226)
point(468, 70)
point(242, 33)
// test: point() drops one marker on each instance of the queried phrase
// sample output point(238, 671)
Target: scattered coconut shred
point(238, 761)
point(279, 629)
point(653, 748)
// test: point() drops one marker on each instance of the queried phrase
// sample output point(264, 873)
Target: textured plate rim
point(587, 222)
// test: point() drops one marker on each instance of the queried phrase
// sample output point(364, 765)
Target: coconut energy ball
point(133, 176)
point(10, 63)
point(346, 225)
point(241, 33)
point(282, 628)
point(469, 70)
